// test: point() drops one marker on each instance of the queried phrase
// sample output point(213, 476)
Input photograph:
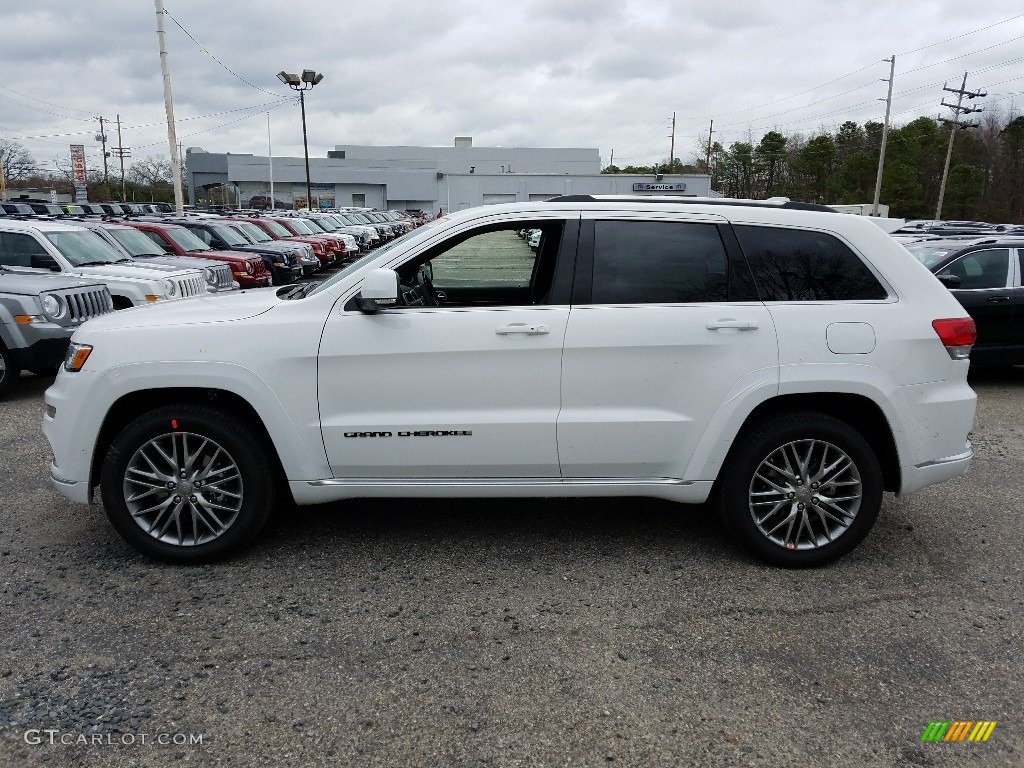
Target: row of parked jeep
point(62, 265)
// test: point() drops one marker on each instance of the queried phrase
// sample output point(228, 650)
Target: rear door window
point(804, 265)
point(658, 262)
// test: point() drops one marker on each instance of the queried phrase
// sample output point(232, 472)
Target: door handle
point(998, 299)
point(521, 328)
point(728, 322)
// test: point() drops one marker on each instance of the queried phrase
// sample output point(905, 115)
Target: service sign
point(647, 186)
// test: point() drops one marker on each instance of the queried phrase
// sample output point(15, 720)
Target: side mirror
point(168, 248)
point(44, 261)
point(380, 289)
point(948, 280)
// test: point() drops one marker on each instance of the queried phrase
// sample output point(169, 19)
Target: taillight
point(957, 335)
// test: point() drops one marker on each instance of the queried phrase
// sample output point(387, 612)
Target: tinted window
point(17, 250)
point(801, 265)
point(981, 269)
point(651, 262)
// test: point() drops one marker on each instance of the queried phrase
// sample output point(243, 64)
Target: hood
point(178, 262)
point(211, 308)
point(132, 271)
point(34, 284)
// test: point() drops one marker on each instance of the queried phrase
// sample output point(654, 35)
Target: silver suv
point(38, 314)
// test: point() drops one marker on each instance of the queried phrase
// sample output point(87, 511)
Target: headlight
point(76, 356)
point(248, 267)
point(170, 288)
point(54, 306)
point(210, 275)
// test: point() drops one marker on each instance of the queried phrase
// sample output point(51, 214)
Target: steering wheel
point(427, 290)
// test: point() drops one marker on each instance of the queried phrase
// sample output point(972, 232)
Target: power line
point(204, 49)
point(47, 103)
point(46, 111)
point(211, 128)
point(965, 34)
point(856, 71)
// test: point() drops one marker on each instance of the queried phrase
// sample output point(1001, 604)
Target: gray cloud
point(597, 73)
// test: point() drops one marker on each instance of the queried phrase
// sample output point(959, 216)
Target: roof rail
point(775, 202)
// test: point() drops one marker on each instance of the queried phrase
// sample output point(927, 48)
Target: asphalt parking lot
point(517, 633)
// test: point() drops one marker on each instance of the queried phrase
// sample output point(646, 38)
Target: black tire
point(10, 372)
point(208, 524)
point(831, 518)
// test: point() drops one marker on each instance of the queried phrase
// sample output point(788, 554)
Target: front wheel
point(801, 490)
point(10, 372)
point(187, 484)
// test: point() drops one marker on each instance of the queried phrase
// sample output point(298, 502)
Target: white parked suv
point(790, 363)
point(37, 246)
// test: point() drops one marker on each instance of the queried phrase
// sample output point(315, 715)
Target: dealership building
point(424, 178)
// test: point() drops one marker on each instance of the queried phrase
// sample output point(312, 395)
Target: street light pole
point(303, 83)
point(305, 149)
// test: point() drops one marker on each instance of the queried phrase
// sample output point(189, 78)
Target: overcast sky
point(528, 73)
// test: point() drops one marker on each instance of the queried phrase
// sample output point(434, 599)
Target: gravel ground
point(519, 633)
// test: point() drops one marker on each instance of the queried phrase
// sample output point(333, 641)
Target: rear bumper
point(930, 472)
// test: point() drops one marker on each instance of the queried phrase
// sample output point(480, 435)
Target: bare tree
point(151, 172)
point(17, 162)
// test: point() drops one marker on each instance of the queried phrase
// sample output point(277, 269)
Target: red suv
point(328, 251)
point(248, 269)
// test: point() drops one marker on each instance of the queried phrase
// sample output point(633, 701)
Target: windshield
point(300, 226)
point(135, 242)
point(81, 248)
point(185, 240)
point(256, 234)
point(929, 254)
point(75, 210)
point(315, 226)
point(228, 235)
point(276, 228)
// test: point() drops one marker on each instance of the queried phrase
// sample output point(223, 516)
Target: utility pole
point(3, 179)
point(169, 107)
point(122, 153)
point(885, 135)
point(102, 138)
point(612, 161)
point(955, 123)
point(672, 149)
point(707, 158)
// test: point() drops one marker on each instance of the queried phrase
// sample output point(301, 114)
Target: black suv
point(985, 275)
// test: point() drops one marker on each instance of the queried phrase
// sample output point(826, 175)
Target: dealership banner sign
point(78, 172)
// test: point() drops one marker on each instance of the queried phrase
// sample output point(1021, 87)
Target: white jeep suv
point(36, 246)
point(788, 362)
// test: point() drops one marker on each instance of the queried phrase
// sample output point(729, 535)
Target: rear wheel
point(187, 484)
point(801, 490)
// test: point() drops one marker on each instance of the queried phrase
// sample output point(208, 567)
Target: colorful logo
point(959, 730)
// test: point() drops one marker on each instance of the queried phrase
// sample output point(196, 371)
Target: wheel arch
point(132, 405)
point(858, 411)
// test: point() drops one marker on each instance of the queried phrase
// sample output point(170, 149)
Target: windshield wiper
point(92, 263)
